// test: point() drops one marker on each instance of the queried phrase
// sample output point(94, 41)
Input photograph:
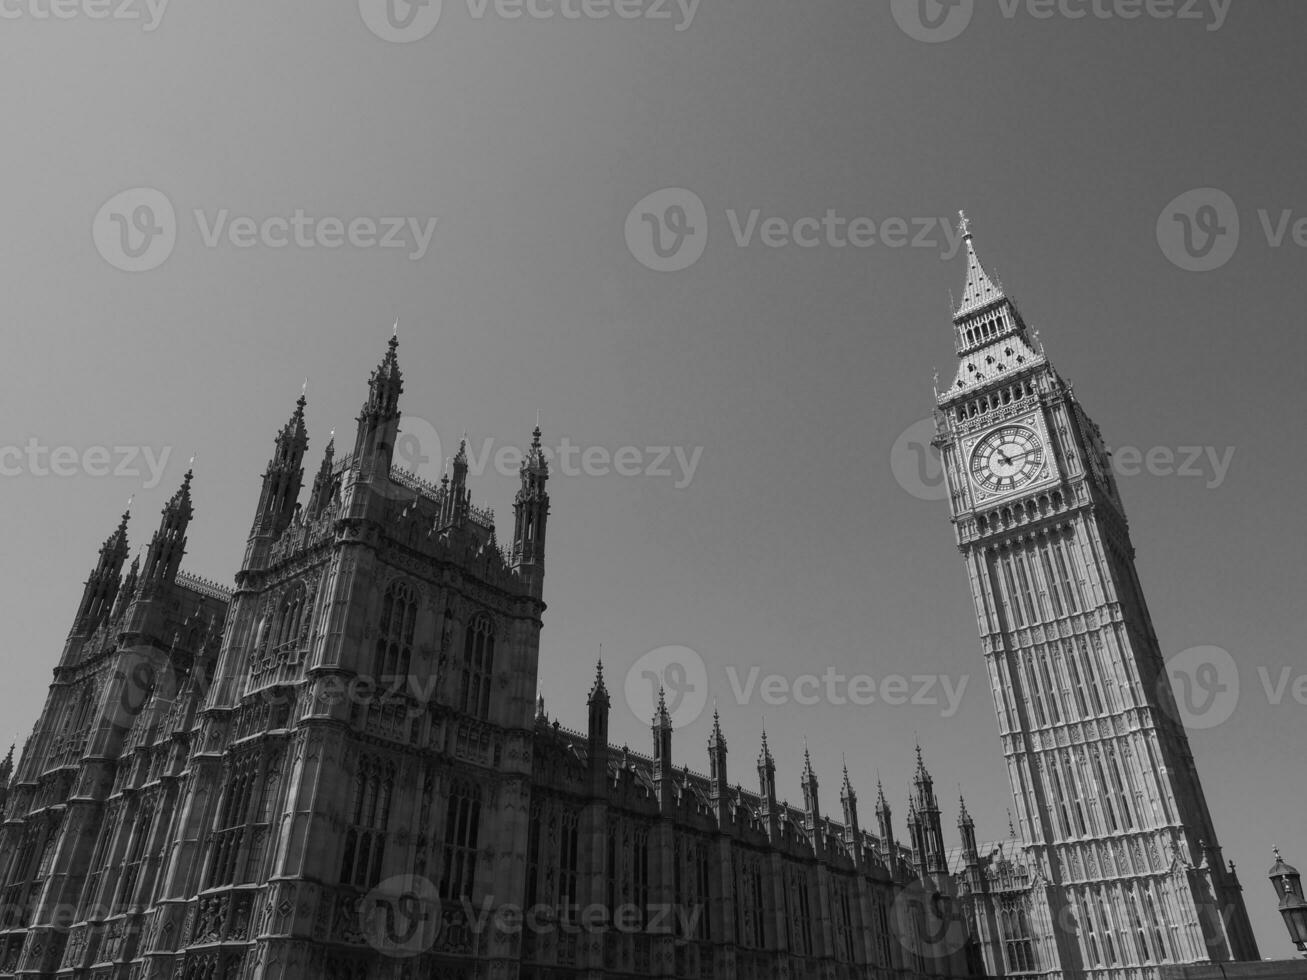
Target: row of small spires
point(922, 803)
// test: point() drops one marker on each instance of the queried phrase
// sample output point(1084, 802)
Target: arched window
point(290, 618)
point(365, 838)
point(462, 821)
point(233, 815)
point(478, 666)
point(399, 610)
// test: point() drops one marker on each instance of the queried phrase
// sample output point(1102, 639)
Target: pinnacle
point(980, 290)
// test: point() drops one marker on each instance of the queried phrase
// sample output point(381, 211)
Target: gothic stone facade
point(1117, 870)
point(338, 770)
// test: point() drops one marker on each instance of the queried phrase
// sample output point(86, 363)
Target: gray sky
point(793, 547)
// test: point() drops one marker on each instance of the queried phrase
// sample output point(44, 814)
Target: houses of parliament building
point(338, 768)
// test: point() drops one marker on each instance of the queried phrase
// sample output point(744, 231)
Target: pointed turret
point(103, 583)
point(458, 498)
point(980, 290)
point(967, 831)
point(989, 335)
point(884, 818)
point(599, 703)
point(661, 728)
point(6, 774)
point(531, 514)
point(718, 788)
point(929, 818)
point(282, 481)
point(168, 544)
point(128, 590)
point(767, 788)
point(766, 770)
point(326, 485)
point(916, 837)
point(852, 828)
point(378, 420)
point(811, 804)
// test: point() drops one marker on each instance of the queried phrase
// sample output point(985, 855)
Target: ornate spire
point(7, 767)
point(385, 385)
point(979, 290)
point(598, 691)
point(168, 544)
point(531, 510)
point(324, 485)
point(717, 763)
point(293, 434)
point(716, 739)
point(846, 787)
point(102, 586)
point(179, 506)
point(282, 481)
point(117, 542)
point(662, 718)
point(964, 818)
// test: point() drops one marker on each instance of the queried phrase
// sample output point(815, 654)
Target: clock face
point(1007, 458)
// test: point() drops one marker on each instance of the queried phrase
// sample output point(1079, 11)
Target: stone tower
point(1126, 862)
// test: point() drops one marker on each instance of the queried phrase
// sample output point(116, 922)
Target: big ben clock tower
point(1127, 870)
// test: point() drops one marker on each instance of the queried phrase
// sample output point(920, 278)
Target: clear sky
point(794, 546)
